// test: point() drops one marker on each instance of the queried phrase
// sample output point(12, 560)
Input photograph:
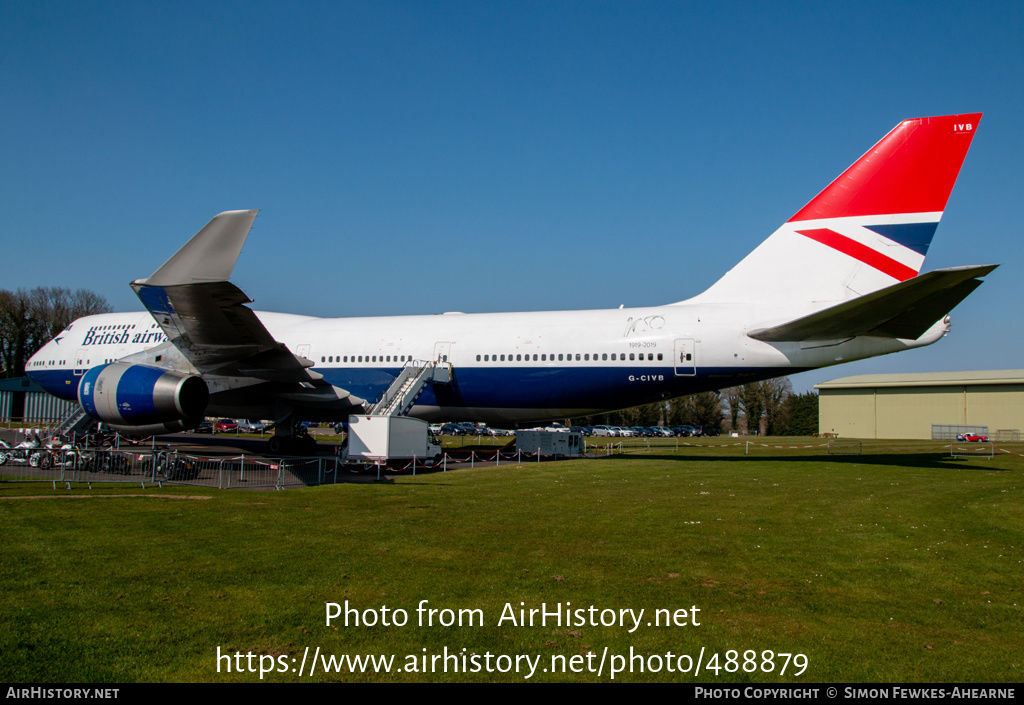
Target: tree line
point(31, 318)
point(766, 408)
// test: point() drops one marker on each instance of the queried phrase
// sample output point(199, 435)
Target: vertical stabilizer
point(869, 229)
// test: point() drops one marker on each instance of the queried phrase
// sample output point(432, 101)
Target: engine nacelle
point(140, 398)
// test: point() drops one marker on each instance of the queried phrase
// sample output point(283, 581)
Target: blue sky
point(414, 157)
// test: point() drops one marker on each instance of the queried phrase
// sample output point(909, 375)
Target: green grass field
point(897, 565)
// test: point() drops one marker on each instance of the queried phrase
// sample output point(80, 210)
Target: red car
point(226, 426)
point(972, 438)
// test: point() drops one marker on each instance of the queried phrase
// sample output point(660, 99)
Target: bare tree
point(701, 409)
point(28, 319)
point(14, 321)
point(774, 393)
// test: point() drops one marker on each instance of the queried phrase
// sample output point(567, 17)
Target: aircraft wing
point(210, 325)
point(204, 316)
point(905, 310)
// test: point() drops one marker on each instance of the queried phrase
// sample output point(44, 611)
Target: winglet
point(210, 255)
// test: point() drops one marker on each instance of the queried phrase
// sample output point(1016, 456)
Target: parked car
point(204, 427)
point(451, 429)
point(606, 431)
point(226, 426)
point(972, 438)
point(250, 426)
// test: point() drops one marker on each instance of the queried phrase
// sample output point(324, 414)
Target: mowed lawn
point(900, 564)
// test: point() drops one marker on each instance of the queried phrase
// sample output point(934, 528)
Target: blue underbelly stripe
point(515, 387)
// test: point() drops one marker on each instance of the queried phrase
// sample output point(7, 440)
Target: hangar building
point(908, 405)
point(21, 399)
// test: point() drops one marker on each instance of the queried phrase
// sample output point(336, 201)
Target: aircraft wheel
point(275, 444)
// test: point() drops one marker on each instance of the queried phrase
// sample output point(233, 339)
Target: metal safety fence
point(617, 446)
point(845, 447)
point(456, 459)
point(254, 472)
point(972, 450)
point(832, 447)
point(163, 467)
point(949, 432)
point(160, 467)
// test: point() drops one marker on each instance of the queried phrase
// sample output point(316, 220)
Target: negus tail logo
point(868, 229)
point(863, 253)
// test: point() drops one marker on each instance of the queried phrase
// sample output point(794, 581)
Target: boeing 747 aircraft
point(839, 281)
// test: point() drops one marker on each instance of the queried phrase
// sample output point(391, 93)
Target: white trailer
point(376, 438)
point(550, 442)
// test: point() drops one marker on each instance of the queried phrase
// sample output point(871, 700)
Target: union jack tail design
point(869, 229)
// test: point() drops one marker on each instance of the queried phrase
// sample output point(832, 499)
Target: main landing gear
point(298, 443)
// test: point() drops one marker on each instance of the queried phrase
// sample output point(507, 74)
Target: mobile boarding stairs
point(383, 432)
point(398, 399)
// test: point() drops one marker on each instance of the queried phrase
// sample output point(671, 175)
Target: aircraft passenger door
point(80, 364)
point(303, 350)
point(442, 351)
point(685, 357)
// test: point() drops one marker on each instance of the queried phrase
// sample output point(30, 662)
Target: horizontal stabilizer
point(905, 310)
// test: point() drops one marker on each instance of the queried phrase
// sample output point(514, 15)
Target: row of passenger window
point(366, 358)
point(518, 357)
point(568, 357)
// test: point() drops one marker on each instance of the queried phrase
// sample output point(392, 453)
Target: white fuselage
point(507, 368)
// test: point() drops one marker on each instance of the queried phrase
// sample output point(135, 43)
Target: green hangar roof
point(926, 379)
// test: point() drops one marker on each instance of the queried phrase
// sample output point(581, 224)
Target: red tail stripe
point(863, 253)
point(911, 170)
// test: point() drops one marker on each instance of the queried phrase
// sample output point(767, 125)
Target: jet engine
point(143, 400)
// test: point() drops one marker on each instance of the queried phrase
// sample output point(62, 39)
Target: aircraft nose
point(43, 353)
